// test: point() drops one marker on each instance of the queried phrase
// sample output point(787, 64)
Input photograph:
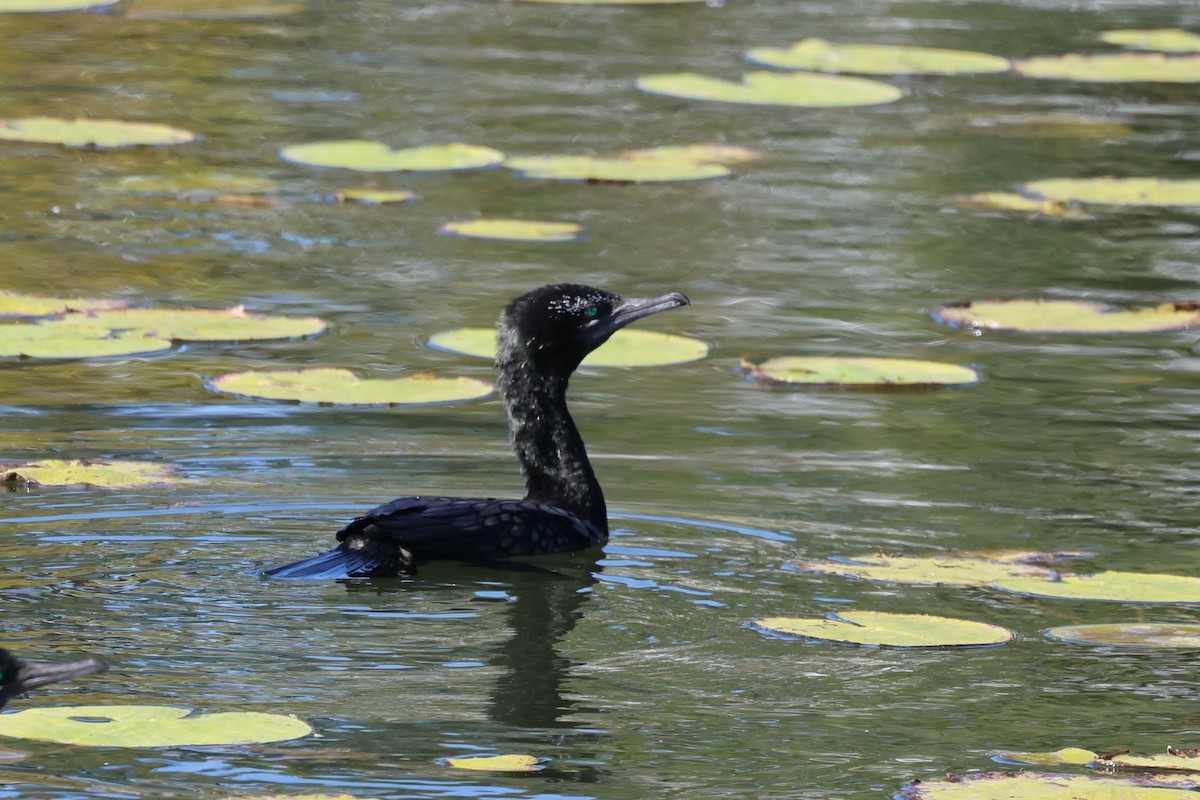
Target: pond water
point(636, 674)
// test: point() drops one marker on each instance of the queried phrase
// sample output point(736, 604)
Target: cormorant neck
point(548, 445)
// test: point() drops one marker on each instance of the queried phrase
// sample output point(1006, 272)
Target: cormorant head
point(18, 677)
point(553, 328)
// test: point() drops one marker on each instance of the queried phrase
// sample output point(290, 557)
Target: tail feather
point(372, 561)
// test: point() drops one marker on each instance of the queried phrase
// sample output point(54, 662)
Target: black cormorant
point(540, 340)
point(18, 677)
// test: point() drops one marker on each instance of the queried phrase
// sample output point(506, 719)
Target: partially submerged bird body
point(18, 676)
point(541, 339)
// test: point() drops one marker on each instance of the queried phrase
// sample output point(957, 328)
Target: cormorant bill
point(18, 677)
point(540, 340)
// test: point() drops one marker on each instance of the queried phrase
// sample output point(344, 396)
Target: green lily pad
point(99, 133)
point(860, 373)
point(614, 170)
point(195, 324)
point(1166, 40)
point(798, 90)
point(1121, 587)
point(343, 387)
point(613, 2)
point(366, 156)
point(505, 763)
point(881, 629)
point(375, 197)
point(148, 726)
point(1152, 192)
point(15, 304)
point(1131, 634)
point(1068, 316)
point(1036, 786)
point(724, 154)
point(41, 6)
point(934, 571)
point(514, 230)
point(875, 59)
point(1010, 201)
point(627, 348)
point(76, 341)
point(108, 474)
point(1068, 755)
point(211, 9)
point(1114, 68)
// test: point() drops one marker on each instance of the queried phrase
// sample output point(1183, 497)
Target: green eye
point(592, 311)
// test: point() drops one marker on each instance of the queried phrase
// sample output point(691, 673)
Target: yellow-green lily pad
point(875, 59)
point(627, 348)
point(1068, 755)
point(724, 154)
point(210, 9)
point(1036, 786)
point(1068, 316)
point(614, 170)
point(514, 230)
point(932, 571)
point(1152, 192)
point(197, 183)
point(797, 90)
point(15, 304)
point(1165, 40)
point(1174, 760)
point(1114, 68)
point(882, 629)
point(1010, 201)
point(860, 373)
point(1178, 635)
point(1121, 587)
point(108, 474)
point(195, 324)
point(148, 726)
point(328, 386)
point(76, 341)
point(42, 6)
point(99, 133)
point(375, 197)
point(367, 156)
point(504, 763)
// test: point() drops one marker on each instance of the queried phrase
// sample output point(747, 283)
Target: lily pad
point(195, 324)
point(1114, 68)
point(1176, 635)
point(76, 341)
point(614, 170)
point(366, 156)
point(108, 474)
point(860, 373)
point(375, 197)
point(798, 90)
point(1121, 587)
point(1036, 786)
point(505, 763)
point(875, 59)
point(148, 726)
point(881, 629)
point(99, 133)
point(1152, 192)
point(1167, 40)
point(15, 304)
point(1068, 316)
point(343, 387)
point(1010, 201)
point(933, 571)
point(514, 230)
point(1068, 755)
point(724, 154)
point(627, 348)
point(41, 6)
point(191, 184)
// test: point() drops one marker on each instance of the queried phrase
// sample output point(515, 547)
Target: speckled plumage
point(541, 338)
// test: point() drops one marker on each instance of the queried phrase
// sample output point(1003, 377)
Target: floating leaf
point(934, 571)
point(627, 348)
point(365, 156)
point(860, 373)
point(1168, 40)
point(211, 9)
point(108, 474)
point(514, 230)
point(1036, 786)
point(343, 387)
point(1131, 634)
point(75, 341)
point(614, 170)
point(148, 726)
point(375, 197)
point(1114, 68)
point(505, 763)
point(875, 59)
point(724, 154)
point(1124, 587)
point(1068, 316)
point(195, 324)
point(883, 629)
point(15, 304)
point(1117, 191)
point(100, 133)
point(1174, 760)
point(800, 90)
point(1009, 201)
point(40, 6)
point(1068, 755)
